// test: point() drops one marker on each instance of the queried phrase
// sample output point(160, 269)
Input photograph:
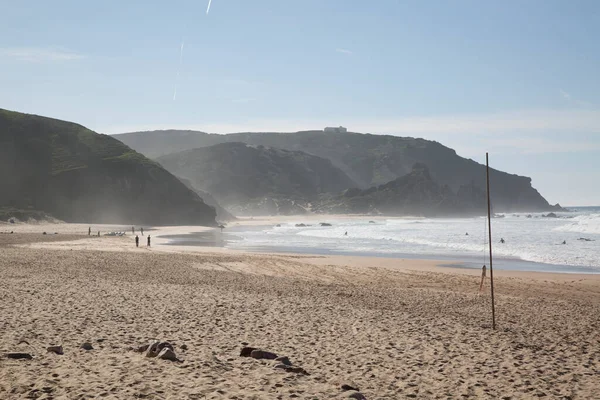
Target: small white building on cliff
point(339, 129)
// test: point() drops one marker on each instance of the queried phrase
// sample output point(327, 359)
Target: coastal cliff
point(77, 175)
point(367, 160)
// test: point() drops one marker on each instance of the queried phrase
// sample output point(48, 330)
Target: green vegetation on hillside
point(257, 179)
point(75, 174)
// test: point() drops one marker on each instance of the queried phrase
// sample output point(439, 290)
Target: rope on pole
point(487, 166)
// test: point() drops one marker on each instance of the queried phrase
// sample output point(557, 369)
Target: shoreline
point(160, 245)
point(202, 239)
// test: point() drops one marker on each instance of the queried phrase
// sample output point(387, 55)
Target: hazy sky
point(520, 79)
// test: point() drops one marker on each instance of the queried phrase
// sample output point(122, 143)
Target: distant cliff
point(77, 175)
point(413, 194)
point(368, 160)
point(256, 179)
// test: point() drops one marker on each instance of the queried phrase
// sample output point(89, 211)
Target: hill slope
point(369, 160)
point(239, 176)
point(413, 194)
point(222, 214)
point(78, 175)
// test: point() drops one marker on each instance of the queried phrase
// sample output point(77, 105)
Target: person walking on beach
point(148, 240)
point(482, 278)
point(137, 241)
point(142, 230)
point(89, 231)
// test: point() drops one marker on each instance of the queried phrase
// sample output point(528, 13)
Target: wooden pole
point(487, 166)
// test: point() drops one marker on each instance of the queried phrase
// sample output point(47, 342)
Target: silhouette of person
point(137, 241)
point(501, 240)
point(483, 271)
point(98, 233)
point(148, 240)
point(89, 231)
point(142, 230)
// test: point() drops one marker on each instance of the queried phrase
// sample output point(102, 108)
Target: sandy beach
point(390, 328)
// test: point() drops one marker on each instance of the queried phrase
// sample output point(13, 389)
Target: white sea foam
point(535, 239)
point(582, 223)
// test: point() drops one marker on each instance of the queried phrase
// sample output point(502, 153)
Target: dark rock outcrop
point(413, 194)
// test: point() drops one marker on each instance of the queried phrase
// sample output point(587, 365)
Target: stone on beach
point(19, 356)
point(142, 348)
point(167, 354)
point(87, 346)
point(247, 351)
point(55, 349)
point(165, 345)
point(152, 350)
point(284, 360)
point(162, 350)
point(354, 395)
point(289, 368)
point(263, 355)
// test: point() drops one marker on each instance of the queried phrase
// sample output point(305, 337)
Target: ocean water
point(534, 243)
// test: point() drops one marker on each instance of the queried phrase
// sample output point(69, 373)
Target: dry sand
point(394, 328)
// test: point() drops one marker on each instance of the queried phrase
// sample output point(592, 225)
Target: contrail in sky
point(181, 56)
point(179, 68)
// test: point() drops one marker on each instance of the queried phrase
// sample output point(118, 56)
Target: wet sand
point(393, 328)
